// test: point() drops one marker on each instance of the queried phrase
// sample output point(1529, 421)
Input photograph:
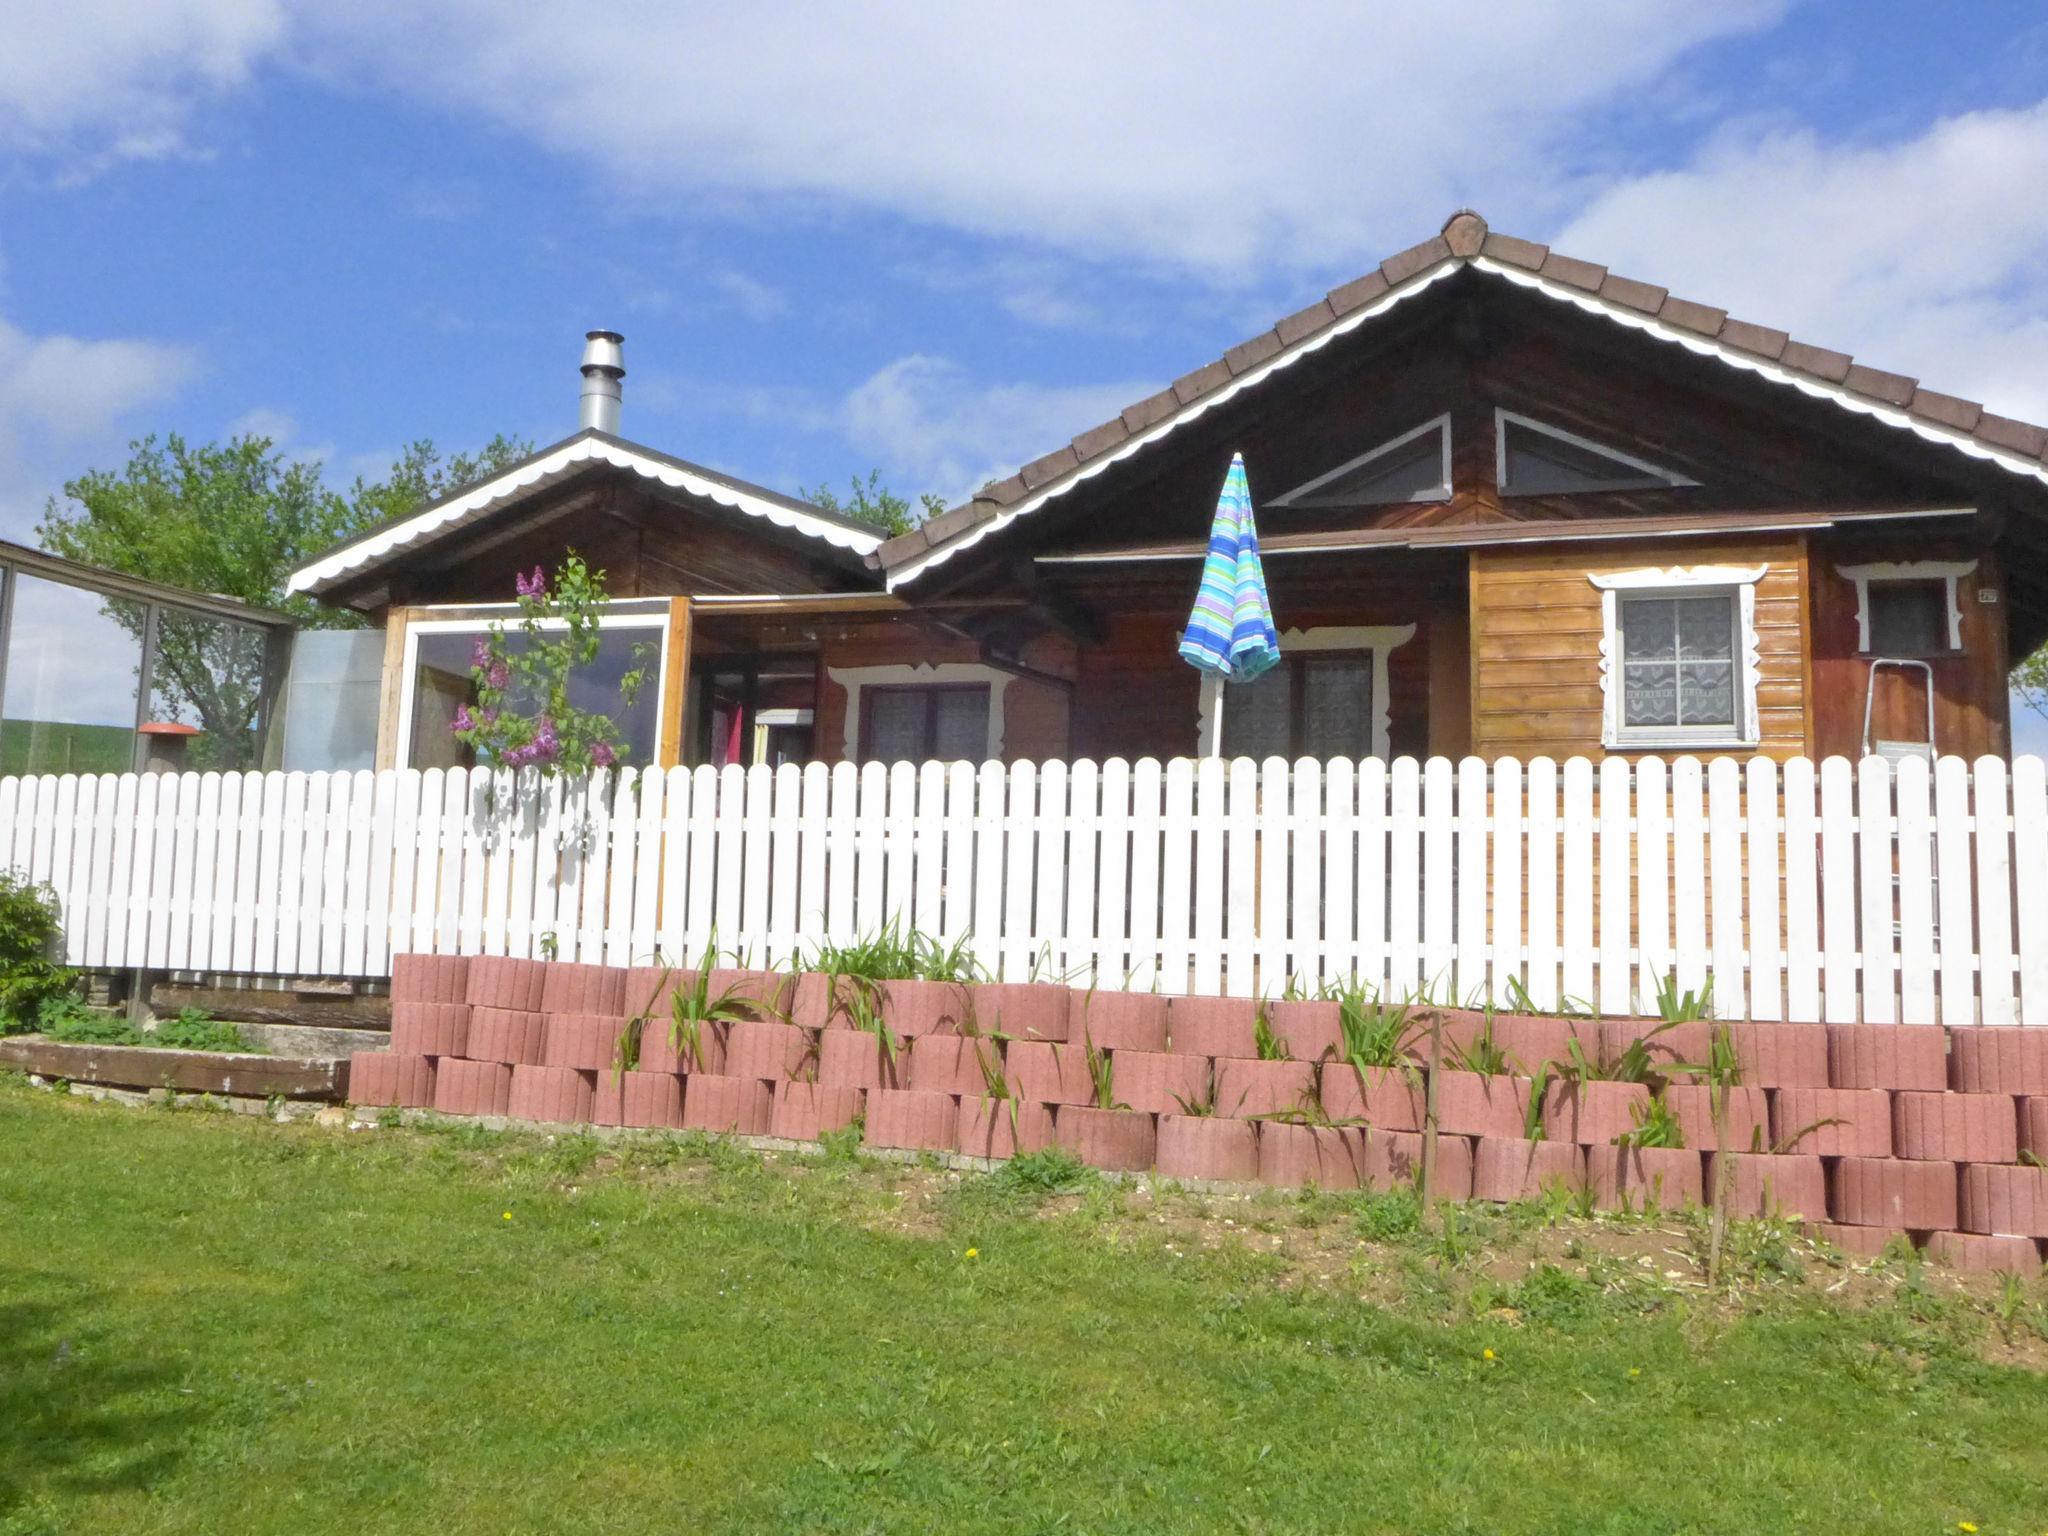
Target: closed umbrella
point(1230, 633)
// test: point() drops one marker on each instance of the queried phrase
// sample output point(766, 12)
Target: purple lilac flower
point(498, 675)
point(602, 755)
point(462, 721)
point(480, 653)
point(531, 586)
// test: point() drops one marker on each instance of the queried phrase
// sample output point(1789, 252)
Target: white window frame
point(1740, 583)
point(409, 681)
point(919, 675)
point(1950, 571)
point(1654, 477)
point(1382, 640)
point(1441, 425)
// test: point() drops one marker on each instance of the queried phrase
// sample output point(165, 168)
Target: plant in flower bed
point(1655, 1126)
point(524, 717)
point(29, 931)
point(1687, 1007)
point(71, 1022)
point(692, 1010)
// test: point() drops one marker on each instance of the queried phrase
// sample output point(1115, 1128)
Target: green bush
point(28, 938)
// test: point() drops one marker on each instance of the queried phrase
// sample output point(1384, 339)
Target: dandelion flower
point(1967, 1527)
point(508, 1215)
point(974, 1253)
point(1486, 1354)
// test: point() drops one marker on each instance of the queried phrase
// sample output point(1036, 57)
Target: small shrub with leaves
point(29, 932)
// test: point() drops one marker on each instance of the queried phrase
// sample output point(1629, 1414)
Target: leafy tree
point(233, 519)
point(2030, 680)
point(873, 502)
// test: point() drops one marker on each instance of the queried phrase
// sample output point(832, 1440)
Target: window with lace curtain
point(1317, 705)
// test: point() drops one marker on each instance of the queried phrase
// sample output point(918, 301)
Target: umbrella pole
point(1211, 743)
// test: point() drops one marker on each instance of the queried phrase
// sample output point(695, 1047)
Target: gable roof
point(1467, 242)
point(365, 552)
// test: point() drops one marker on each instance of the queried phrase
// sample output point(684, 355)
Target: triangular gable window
point(1416, 466)
point(1536, 460)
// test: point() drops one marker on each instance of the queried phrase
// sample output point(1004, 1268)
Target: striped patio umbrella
point(1230, 634)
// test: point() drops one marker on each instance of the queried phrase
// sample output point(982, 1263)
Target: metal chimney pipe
point(604, 365)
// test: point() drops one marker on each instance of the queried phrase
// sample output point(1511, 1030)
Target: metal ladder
point(1898, 751)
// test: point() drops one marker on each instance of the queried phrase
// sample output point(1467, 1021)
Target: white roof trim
point(1692, 341)
point(477, 500)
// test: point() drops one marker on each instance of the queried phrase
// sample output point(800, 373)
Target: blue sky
point(928, 240)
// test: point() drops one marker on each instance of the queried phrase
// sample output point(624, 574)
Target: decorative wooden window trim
point(1305, 493)
point(1950, 571)
point(1380, 639)
point(920, 675)
point(1740, 581)
point(1654, 476)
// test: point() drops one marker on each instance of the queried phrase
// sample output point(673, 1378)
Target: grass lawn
point(212, 1323)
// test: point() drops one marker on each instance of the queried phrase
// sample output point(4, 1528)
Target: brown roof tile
point(905, 546)
point(1685, 314)
point(1573, 272)
point(1247, 355)
point(1647, 297)
point(1818, 361)
point(1516, 253)
point(1357, 293)
point(1049, 466)
point(1152, 408)
point(1464, 232)
point(1305, 322)
point(1190, 387)
point(946, 524)
point(2018, 436)
point(1101, 439)
point(1003, 492)
point(1894, 388)
point(1760, 339)
point(1948, 410)
point(1402, 265)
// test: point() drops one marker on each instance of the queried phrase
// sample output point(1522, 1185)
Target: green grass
point(212, 1323)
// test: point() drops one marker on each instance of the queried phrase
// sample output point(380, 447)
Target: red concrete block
point(1160, 1082)
point(1886, 1192)
point(576, 988)
point(760, 993)
point(430, 1029)
point(1248, 1088)
point(854, 1058)
point(1530, 1040)
point(650, 989)
point(1386, 1098)
point(1955, 1127)
point(952, 1063)
point(1212, 1026)
point(1021, 1010)
point(810, 998)
point(1639, 1178)
point(664, 1049)
point(1762, 1185)
point(927, 1008)
point(429, 978)
point(557, 1095)
point(2034, 1126)
point(740, 1105)
point(1325, 1156)
point(1832, 1122)
point(913, 1120)
point(1462, 1029)
point(2007, 1201)
point(1746, 1121)
point(1046, 1072)
point(1476, 1104)
point(1454, 1157)
point(1781, 1055)
point(1000, 1128)
point(1205, 1147)
point(1117, 1021)
point(1308, 1031)
point(472, 1087)
point(506, 1034)
point(384, 1081)
point(499, 981)
point(653, 1100)
point(1520, 1170)
point(1998, 1060)
point(806, 1111)
point(762, 1048)
point(1982, 1254)
point(1117, 1139)
point(1679, 1045)
point(1592, 1113)
point(589, 1042)
point(1863, 1242)
point(1887, 1056)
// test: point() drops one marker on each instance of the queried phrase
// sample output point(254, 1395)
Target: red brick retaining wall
point(1869, 1131)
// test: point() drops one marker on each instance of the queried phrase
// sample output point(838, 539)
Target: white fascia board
point(1152, 434)
point(480, 498)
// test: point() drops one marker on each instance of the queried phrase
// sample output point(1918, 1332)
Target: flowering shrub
point(523, 717)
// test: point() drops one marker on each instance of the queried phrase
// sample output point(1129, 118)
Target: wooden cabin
point(1509, 504)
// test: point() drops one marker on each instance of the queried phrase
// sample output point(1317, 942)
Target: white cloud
point(1926, 256)
point(1219, 138)
point(87, 82)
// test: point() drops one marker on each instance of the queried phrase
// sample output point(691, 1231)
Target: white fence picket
point(1616, 856)
point(2030, 881)
point(1994, 895)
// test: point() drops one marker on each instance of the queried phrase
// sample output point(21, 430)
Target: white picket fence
point(1844, 891)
